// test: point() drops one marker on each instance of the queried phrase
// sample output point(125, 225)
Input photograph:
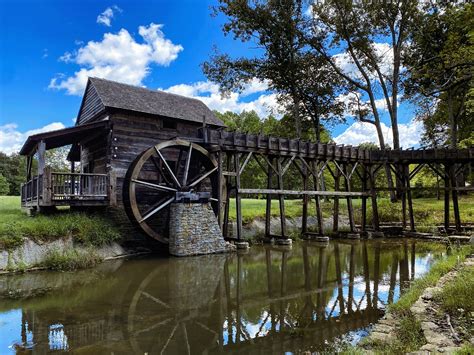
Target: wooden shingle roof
point(127, 97)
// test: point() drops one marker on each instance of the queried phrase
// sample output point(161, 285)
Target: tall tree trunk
point(452, 121)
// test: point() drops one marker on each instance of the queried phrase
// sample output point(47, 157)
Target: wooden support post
point(409, 197)
point(446, 197)
point(29, 164)
point(225, 227)
point(238, 198)
point(268, 210)
point(373, 195)
point(112, 189)
point(350, 209)
point(41, 157)
point(364, 199)
point(304, 222)
point(404, 179)
point(319, 213)
point(454, 193)
point(219, 188)
point(335, 225)
point(47, 185)
point(281, 199)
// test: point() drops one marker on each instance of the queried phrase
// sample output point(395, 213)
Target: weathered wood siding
point(91, 105)
point(132, 134)
point(95, 153)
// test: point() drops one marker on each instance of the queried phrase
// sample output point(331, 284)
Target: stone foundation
point(194, 230)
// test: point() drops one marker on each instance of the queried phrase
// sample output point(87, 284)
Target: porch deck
point(65, 189)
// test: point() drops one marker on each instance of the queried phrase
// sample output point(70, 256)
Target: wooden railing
point(32, 190)
point(282, 146)
point(52, 188)
point(66, 186)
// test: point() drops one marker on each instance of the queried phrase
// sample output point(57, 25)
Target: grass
point(428, 212)
point(456, 299)
point(409, 336)
point(440, 268)
point(15, 226)
point(71, 260)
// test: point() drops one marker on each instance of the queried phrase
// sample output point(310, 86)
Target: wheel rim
point(158, 174)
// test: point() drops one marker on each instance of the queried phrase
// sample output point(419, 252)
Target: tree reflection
point(271, 299)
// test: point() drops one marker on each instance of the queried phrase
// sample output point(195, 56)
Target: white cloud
point(382, 50)
point(361, 132)
point(118, 57)
point(11, 139)
point(105, 18)
point(208, 92)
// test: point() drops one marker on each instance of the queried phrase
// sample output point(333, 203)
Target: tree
point(440, 65)
point(4, 186)
point(305, 84)
point(355, 27)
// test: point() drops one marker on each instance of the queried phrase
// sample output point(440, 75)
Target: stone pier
point(194, 230)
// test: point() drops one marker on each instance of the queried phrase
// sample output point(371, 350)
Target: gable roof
point(127, 97)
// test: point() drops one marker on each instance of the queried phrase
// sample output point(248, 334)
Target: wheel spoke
point(154, 186)
point(173, 176)
point(188, 161)
point(155, 210)
point(198, 180)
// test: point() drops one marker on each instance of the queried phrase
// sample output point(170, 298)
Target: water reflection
point(271, 299)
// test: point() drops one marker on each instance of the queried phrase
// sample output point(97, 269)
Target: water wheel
point(175, 170)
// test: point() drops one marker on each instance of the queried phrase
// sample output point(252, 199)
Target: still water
point(268, 300)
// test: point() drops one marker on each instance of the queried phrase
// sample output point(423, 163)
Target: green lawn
point(427, 211)
point(15, 226)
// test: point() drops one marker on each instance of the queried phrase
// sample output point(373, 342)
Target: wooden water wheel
point(171, 171)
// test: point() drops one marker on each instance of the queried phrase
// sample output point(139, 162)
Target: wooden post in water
point(364, 198)
point(410, 201)
point(350, 209)
point(219, 188)
point(335, 224)
point(454, 193)
point(281, 199)
point(238, 198)
point(304, 222)
point(446, 197)
point(373, 195)
point(403, 182)
point(227, 198)
point(319, 213)
point(268, 209)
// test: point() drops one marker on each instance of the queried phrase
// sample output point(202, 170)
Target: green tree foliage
point(357, 27)
point(13, 168)
point(253, 176)
point(440, 65)
point(306, 85)
point(4, 186)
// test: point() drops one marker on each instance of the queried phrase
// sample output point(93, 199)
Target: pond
point(310, 296)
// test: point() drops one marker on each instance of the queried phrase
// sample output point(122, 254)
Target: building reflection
point(280, 299)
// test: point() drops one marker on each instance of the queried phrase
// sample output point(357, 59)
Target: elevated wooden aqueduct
point(141, 151)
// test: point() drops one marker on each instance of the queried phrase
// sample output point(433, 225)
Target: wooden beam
point(41, 157)
point(319, 213)
point(454, 194)
point(277, 192)
point(373, 195)
point(220, 177)
point(281, 199)
point(335, 223)
point(268, 209)
point(238, 198)
point(350, 209)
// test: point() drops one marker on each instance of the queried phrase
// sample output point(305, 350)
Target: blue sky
point(49, 47)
